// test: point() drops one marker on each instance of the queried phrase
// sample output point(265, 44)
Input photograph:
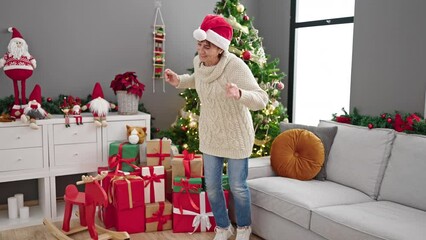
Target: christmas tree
point(248, 45)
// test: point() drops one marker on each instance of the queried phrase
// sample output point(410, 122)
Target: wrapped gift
point(191, 185)
point(107, 214)
point(186, 218)
point(154, 183)
point(158, 152)
point(188, 165)
point(158, 216)
point(127, 197)
point(123, 156)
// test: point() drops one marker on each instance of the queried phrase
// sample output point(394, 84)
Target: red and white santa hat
point(36, 94)
point(97, 91)
point(216, 30)
point(16, 35)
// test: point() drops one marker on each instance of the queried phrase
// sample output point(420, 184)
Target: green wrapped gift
point(123, 155)
point(225, 182)
point(183, 184)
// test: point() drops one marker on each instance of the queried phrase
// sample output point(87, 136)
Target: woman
point(227, 90)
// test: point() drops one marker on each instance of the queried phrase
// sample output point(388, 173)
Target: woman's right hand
point(171, 77)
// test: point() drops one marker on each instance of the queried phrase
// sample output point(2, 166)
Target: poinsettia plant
point(129, 82)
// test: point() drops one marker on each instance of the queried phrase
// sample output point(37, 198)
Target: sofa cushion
point(297, 153)
point(370, 220)
point(405, 178)
point(260, 167)
point(293, 199)
point(326, 134)
point(359, 156)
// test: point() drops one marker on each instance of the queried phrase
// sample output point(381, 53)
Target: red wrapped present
point(186, 218)
point(187, 165)
point(128, 199)
point(158, 152)
point(154, 179)
point(158, 216)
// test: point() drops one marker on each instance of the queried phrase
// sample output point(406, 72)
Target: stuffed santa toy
point(18, 65)
point(98, 106)
point(33, 110)
point(75, 107)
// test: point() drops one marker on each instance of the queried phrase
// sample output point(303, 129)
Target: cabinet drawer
point(76, 134)
point(21, 159)
point(75, 154)
point(116, 131)
point(20, 137)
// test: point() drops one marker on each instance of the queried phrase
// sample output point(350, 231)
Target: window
point(320, 59)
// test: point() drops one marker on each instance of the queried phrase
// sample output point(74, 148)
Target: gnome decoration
point(33, 110)
point(98, 106)
point(18, 65)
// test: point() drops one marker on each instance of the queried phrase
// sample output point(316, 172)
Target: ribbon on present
point(150, 179)
point(126, 178)
point(187, 158)
point(161, 156)
point(186, 187)
point(201, 219)
point(159, 217)
point(116, 160)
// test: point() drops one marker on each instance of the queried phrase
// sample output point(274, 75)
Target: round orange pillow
point(297, 153)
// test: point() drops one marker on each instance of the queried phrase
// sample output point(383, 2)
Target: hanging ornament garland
point(159, 51)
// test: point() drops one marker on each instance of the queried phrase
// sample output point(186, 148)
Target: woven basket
point(127, 103)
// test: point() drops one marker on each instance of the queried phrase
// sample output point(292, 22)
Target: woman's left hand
point(232, 91)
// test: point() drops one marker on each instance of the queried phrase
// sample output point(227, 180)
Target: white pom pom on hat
point(200, 34)
point(216, 30)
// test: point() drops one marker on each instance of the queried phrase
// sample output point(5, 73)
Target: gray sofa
point(375, 189)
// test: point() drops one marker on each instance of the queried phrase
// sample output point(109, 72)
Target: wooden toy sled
point(87, 202)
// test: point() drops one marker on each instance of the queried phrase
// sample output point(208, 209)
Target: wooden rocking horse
point(87, 202)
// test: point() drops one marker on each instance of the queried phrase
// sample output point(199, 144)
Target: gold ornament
point(259, 142)
point(240, 8)
point(193, 124)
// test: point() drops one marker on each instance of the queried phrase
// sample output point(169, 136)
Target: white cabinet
point(54, 151)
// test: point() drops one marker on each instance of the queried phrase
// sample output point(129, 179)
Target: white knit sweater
point(225, 124)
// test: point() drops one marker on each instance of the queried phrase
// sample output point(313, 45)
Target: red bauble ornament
point(184, 128)
point(383, 115)
point(246, 55)
point(389, 120)
point(246, 18)
point(49, 99)
point(370, 125)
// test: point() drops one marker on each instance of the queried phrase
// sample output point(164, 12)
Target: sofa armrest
point(260, 167)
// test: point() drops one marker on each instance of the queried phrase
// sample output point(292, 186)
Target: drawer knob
point(18, 137)
point(75, 134)
point(19, 159)
point(75, 154)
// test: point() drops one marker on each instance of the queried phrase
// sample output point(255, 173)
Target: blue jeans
point(237, 172)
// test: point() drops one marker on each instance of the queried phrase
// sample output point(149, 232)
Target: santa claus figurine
point(18, 65)
point(75, 105)
point(33, 110)
point(98, 106)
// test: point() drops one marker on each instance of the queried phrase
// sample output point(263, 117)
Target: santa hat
point(216, 30)
point(36, 94)
point(97, 91)
point(16, 35)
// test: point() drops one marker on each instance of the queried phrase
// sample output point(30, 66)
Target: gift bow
point(129, 187)
point(116, 160)
point(201, 219)
point(161, 156)
point(159, 217)
point(150, 179)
